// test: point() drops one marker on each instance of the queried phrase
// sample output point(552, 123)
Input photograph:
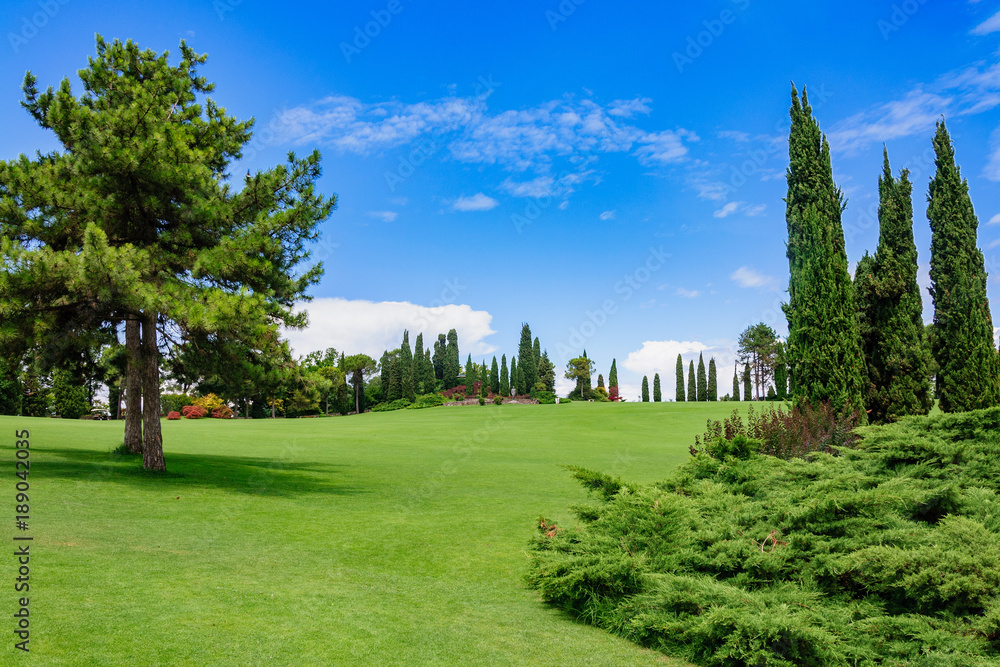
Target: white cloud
point(519, 139)
point(477, 202)
point(995, 220)
point(754, 211)
point(687, 293)
point(607, 215)
point(747, 276)
point(366, 327)
point(992, 24)
point(728, 209)
point(660, 356)
point(735, 135)
point(384, 216)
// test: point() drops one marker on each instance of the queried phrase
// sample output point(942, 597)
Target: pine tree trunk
point(133, 387)
point(152, 438)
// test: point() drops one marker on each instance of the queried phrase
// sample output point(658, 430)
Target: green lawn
point(380, 539)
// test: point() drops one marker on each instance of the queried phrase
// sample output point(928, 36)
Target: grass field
point(380, 539)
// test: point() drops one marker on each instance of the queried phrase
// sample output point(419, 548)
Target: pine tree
point(679, 380)
point(747, 384)
point(526, 360)
point(645, 389)
point(713, 381)
point(495, 377)
point(692, 393)
point(736, 384)
point(504, 377)
point(968, 366)
point(824, 344)
point(656, 388)
point(702, 380)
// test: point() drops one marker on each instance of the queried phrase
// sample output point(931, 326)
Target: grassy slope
point(392, 538)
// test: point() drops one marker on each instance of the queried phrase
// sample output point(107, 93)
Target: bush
point(459, 397)
point(428, 401)
point(565, 400)
point(398, 404)
point(545, 397)
point(193, 411)
point(498, 400)
point(222, 412)
point(209, 401)
point(888, 554)
point(173, 415)
point(174, 402)
point(482, 400)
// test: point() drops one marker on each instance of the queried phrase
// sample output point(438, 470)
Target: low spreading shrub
point(398, 404)
point(887, 553)
point(209, 401)
point(174, 402)
point(173, 415)
point(427, 401)
point(193, 411)
point(565, 400)
point(545, 397)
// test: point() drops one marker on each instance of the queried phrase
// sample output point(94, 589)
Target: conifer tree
point(406, 369)
point(692, 393)
point(656, 388)
point(824, 344)
point(736, 384)
point(890, 310)
point(522, 382)
point(645, 389)
point(747, 384)
point(452, 362)
point(780, 372)
point(515, 390)
point(495, 377)
point(547, 372)
point(968, 366)
point(504, 389)
point(713, 381)
point(526, 360)
point(418, 364)
point(440, 354)
point(613, 374)
point(471, 375)
point(679, 380)
point(600, 381)
point(702, 379)
point(538, 355)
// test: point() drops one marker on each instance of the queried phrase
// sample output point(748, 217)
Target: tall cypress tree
point(702, 379)
point(440, 354)
point(526, 359)
point(418, 364)
point(600, 381)
point(692, 394)
point(471, 375)
point(406, 374)
point(613, 374)
point(495, 377)
point(890, 311)
point(713, 381)
point(645, 389)
point(824, 344)
point(504, 389)
point(514, 389)
point(747, 384)
point(657, 397)
point(679, 380)
point(968, 366)
point(452, 364)
point(736, 384)
point(537, 349)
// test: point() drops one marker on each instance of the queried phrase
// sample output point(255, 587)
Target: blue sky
point(610, 173)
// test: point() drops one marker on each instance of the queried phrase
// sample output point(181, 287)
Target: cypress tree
point(395, 378)
point(538, 356)
point(747, 384)
point(600, 381)
point(968, 366)
point(406, 371)
point(645, 389)
point(495, 377)
point(736, 384)
point(504, 387)
point(657, 397)
point(692, 394)
point(613, 374)
point(440, 353)
point(418, 365)
point(890, 311)
point(702, 380)
point(514, 389)
point(526, 360)
point(522, 382)
point(713, 381)
point(824, 344)
point(547, 372)
point(679, 380)
point(471, 376)
point(451, 360)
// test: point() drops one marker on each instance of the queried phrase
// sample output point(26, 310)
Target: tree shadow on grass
point(237, 474)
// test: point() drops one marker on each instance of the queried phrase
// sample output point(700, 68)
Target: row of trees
point(862, 344)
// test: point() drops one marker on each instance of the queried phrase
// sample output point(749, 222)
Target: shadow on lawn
point(239, 474)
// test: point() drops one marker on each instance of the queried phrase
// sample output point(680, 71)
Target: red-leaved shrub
point(173, 414)
point(193, 411)
point(222, 412)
